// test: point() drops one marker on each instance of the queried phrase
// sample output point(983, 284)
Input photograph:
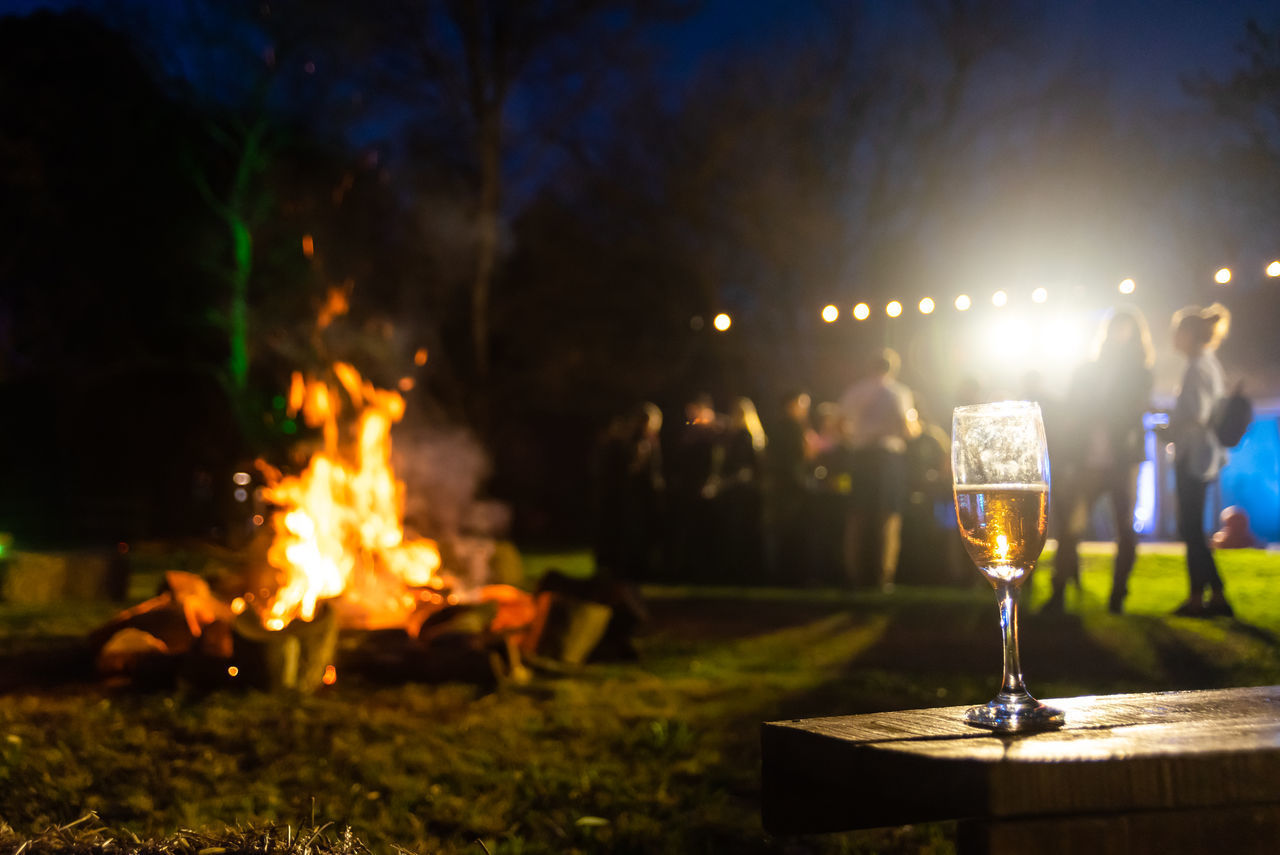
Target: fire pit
point(336, 557)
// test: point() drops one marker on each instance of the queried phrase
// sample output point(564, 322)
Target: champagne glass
point(1000, 466)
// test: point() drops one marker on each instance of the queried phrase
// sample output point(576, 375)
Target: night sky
point(1133, 55)
point(1143, 47)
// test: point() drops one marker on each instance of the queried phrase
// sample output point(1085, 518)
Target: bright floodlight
point(1039, 295)
point(862, 311)
point(1059, 343)
point(1273, 269)
point(830, 313)
point(1127, 286)
point(999, 298)
point(963, 303)
point(926, 306)
point(722, 322)
point(893, 309)
point(1008, 341)
point(1223, 276)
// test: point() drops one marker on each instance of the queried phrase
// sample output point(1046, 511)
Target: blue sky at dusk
point(1143, 47)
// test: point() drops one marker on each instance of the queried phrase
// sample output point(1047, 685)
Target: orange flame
point(338, 530)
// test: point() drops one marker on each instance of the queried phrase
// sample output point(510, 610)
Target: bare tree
point(470, 61)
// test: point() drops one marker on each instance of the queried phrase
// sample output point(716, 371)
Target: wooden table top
point(1116, 753)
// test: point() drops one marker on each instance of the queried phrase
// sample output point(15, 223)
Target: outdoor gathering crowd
point(857, 491)
point(823, 499)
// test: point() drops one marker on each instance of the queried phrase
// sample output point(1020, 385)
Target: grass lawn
point(660, 755)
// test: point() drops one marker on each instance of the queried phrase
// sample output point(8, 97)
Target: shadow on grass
point(941, 653)
point(1257, 633)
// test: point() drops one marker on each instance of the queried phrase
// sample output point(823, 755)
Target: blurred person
point(629, 495)
point(931, 546)
point(829, 482)
point(829, 428)
point(792, 450)
point(688, 459)
point(881, 417)
point(736, 489)
point(1198, 456)
point(1097, 442)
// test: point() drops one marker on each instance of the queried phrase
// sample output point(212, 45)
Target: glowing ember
point(338, 530)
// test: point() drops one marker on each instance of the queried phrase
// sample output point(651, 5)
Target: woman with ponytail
point(1198, 456)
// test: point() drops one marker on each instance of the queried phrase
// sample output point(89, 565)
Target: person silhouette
point(738, 495)
point(688, 460)
point(629, 494)
point(1097, 440)
point(881, 418)
point(1197, 454)
point(793, 446)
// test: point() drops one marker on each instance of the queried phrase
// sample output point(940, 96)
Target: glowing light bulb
point(963, 303)
point(862, 311)
point(926, 306)
point(722, 322)
point(1040, 295)
point(893, 309)
point(999, 299)
point(1127, 286)
point(830, 313)
point(1223, 276)
point(1273, 269)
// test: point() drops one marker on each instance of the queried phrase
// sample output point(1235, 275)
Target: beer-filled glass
point(1000, 467)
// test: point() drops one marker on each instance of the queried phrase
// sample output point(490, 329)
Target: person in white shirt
point(880, 417)
point(1197, 455)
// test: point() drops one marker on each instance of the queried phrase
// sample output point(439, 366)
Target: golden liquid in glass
point(1003, 526)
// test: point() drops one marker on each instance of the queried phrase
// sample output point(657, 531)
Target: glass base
point(1015, 714)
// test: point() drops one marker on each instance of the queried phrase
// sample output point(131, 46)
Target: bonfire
point(339, 557)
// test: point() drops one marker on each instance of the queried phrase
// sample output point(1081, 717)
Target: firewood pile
point(191, 634)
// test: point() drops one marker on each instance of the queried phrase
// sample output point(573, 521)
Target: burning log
point(147, 642)
point(136, 655)
point(299, 657)
point(581, 619)
point(567, 628)
point(477, 641)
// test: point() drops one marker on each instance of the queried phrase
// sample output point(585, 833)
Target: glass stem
point(1007, 599)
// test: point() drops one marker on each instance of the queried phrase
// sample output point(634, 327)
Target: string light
point(999, 299)
point(722, 322)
